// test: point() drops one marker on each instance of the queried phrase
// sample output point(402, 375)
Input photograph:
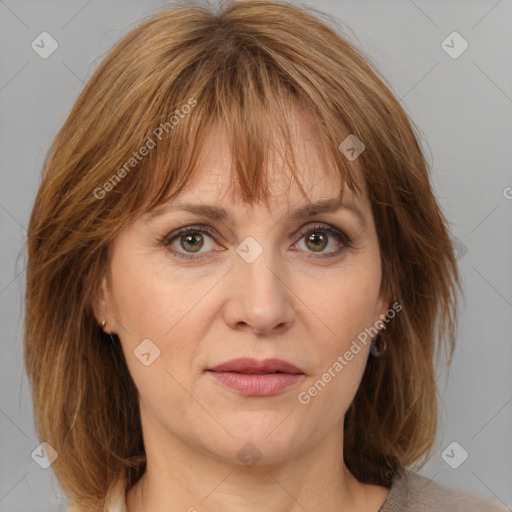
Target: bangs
point(248, 96)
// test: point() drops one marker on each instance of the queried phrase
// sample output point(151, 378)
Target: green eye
point(191, 239)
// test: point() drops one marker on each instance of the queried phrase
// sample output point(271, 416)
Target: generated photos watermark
point(151, 141)
point(363, 337)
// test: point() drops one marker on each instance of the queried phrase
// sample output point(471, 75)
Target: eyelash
point(339, 235)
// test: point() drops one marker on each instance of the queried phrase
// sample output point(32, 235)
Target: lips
point(255, 378)
point(253, 366)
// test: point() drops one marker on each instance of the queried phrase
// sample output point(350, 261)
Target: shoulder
point(114, 500)
point(414, 492)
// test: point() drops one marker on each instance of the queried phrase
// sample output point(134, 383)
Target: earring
point(376, 352)
point(103, 327)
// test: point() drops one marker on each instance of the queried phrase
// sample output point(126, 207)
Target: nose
point(259, 299)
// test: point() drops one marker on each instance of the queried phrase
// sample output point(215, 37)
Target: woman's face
point(259, 284)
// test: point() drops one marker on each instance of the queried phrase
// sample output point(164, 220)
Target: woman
point(238, 277)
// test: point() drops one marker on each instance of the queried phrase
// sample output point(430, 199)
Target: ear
point(101, 305)
point(383, 306)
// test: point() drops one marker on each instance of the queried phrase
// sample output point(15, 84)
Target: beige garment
point(410, 492)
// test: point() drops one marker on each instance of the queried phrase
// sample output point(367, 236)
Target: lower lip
point(257, 385)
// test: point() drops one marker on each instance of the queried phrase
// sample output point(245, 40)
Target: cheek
point(150, 302)
point(346, 303)
point(347, 308)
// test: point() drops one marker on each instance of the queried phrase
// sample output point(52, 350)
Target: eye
point(188, 241)
point(189, 238)
point(317, 238)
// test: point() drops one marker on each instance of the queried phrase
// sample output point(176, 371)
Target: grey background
point(463, 108)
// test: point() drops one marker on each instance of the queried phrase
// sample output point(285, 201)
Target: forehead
point(213, 179)
point(212, 183)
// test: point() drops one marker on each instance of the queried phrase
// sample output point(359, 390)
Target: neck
point(181, 477)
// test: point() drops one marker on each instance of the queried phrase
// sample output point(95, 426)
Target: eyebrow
point(217, 213)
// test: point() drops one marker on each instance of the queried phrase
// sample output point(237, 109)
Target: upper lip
point(250, 365)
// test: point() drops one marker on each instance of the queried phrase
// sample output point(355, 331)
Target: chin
point(261, 438)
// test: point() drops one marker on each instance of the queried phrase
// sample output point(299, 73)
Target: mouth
point(251, 366)
point(251, 377)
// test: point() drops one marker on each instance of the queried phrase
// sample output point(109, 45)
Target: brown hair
point(242, 66)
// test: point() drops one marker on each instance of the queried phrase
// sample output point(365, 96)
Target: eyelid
point(212, 232)
point(307, 227)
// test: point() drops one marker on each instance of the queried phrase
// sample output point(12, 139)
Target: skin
point(308, 309)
